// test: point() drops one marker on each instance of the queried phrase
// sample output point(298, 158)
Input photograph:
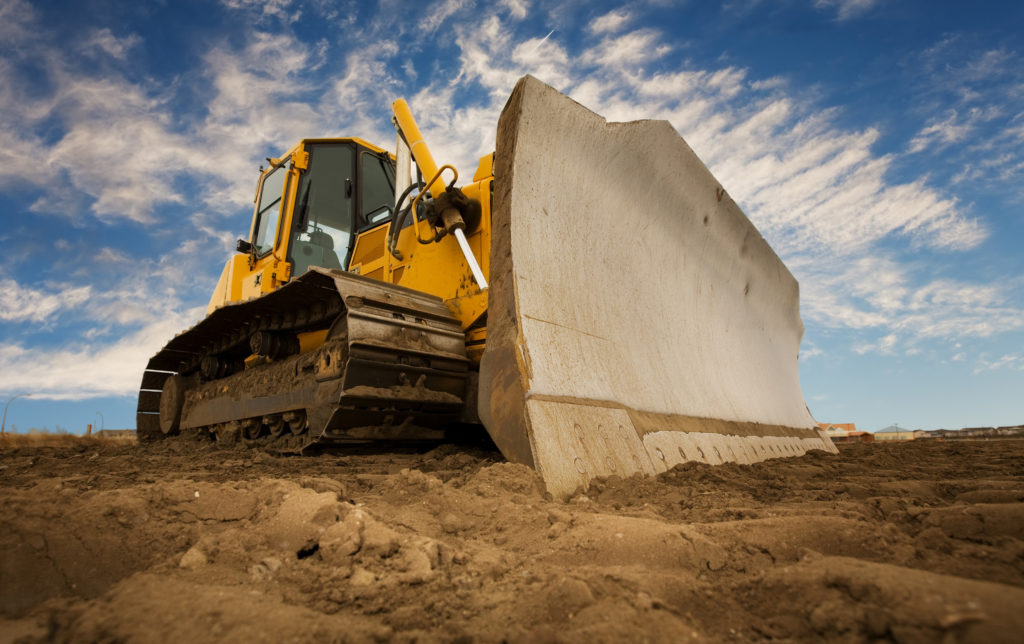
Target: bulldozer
point(592, 297)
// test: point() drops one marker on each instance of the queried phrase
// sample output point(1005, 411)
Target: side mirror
point(243, 246)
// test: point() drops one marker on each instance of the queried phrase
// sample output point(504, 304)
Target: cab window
point(377, 175)
point(323, 210)
point(269, 210)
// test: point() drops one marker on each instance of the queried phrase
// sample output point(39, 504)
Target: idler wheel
point(171, 399)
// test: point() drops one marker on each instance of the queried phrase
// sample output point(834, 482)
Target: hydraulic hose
point(398, 218)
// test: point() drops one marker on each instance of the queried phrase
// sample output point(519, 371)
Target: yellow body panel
point(369, 255)
point(229, 289)
point(311, 340)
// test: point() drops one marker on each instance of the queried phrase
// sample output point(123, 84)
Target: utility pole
point(3, 423)
point(100, 414)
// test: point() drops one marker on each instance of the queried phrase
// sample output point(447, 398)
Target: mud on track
point(918, 542)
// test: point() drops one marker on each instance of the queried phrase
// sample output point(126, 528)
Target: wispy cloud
point(438, 13)
point(86, 370)
point(892, 303)
point(283, 10)
point(955, 128)
point(137, 311)
point(610, 22)
point(846, 9)
point(117, 153)
point(516, 8)
point(970, 96)
point(104, 40)
point(16, 18)
point(19, 304)
point(1006, 361)
point(632, 49)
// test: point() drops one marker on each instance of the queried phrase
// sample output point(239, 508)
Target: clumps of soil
point(915, 542)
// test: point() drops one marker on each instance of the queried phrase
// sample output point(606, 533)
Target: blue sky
point(878, 146)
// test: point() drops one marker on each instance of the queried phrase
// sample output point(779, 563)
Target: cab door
point(275, 198)
point(321, 228)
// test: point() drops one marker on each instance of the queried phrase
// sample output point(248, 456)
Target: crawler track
point(393, 367)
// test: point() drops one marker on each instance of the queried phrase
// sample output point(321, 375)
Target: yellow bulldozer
point(592, 296)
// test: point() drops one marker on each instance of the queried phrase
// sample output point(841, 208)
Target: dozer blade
point(637, 319)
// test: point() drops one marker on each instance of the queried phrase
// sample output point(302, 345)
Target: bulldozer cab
point(310, 205)
point(346, 189)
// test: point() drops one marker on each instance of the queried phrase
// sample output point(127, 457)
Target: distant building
point(894, 433)
point(977, 432)
point(855, 437)
point(838, 431)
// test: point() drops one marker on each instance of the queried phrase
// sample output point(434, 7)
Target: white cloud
point(123, 150)
point(116, 149)
point(20, 304)
point(1007, 361)
point(883, 296)
point(440, 12)
point(281, 9)
point(106, 41)
point(846, 9)
point(108, 255)
point(632, 49)
point(808, 351)
point(516, 8)
point(16, 21)
point(610, 22)
point(969, 96)
point(953, 129)
point(84, 371)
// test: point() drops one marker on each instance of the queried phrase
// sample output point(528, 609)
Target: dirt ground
point(915, 542)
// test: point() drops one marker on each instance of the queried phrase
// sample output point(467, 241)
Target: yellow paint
point(420, 152)
point(369, 251)
point(485, 168)
point(475, 341)
point(229, 289)
point(312, 340)
point(254, 360)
